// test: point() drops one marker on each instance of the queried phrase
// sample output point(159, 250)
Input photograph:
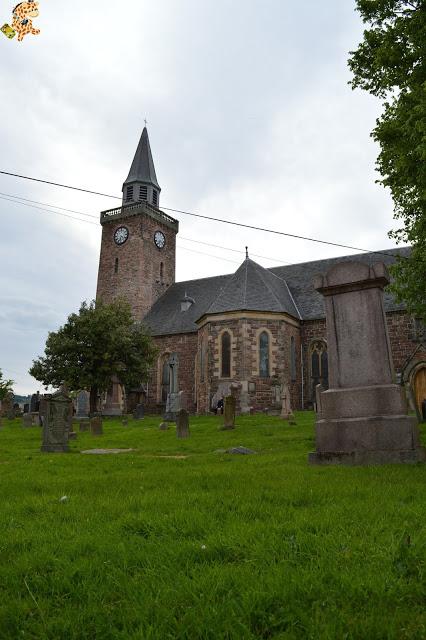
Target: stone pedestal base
point(54, 448)
point(369, 440)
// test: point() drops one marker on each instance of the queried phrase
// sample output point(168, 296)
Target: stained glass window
point(293, 371)
point(264, 355)
point(226, 355)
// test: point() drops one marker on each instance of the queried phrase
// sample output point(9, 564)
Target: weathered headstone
point(35, 402)
point(96, 428)
point(72, 435)
point(84, 426)
point(35, 417)
point(138, 413)
point(164, 426)
point(27, 420)
point(286, 412)
point(82, 405)
point(363, 415)
point(173, 406)
point(182, 424)
point(57, 423)
point(26, 407)
point(125, 422)
point(229, 413)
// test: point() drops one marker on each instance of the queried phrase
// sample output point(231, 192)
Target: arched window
point(293, 372)
point(202, 359)
point(165, 378)
point(264, 355)
point(226, 355)
point(318, 365)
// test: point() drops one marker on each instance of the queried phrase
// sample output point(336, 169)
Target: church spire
point(141, 184)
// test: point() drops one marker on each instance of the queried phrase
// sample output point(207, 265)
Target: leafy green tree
point(6, 387)
point(390, 63)
point(100, 342)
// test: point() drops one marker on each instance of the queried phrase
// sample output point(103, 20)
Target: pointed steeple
point(141, 184)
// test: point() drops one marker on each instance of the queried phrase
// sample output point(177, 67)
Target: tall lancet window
point(226, 355)
point(264, 355)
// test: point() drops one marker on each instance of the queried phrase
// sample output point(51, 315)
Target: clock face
point(159, 239)
point(120, 235)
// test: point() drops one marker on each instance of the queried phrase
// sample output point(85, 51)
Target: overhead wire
point(204, 217)
point(18, 199)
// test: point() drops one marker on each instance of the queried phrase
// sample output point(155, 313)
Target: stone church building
point(251, 331)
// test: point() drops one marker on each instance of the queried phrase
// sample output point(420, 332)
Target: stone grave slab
point(182, 424)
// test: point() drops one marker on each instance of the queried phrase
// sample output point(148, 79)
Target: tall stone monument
point(229, 413)
point(362, 417)
point(57, 423)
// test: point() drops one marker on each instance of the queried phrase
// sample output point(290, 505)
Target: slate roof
point(254, 288)
point(142, 169)
point(285, 289)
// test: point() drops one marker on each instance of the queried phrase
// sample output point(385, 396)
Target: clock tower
point(138, 248)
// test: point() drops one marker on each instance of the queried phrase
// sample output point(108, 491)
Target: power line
point(94, 223)
point(198, 215)
point(18, 200)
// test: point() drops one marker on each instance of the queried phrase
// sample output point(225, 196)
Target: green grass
point(208, 546)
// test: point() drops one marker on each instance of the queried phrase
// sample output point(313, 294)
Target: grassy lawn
point(207, 545)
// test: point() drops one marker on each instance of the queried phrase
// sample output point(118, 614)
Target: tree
point(390, 63)
point(100, 342)
point(6, 387)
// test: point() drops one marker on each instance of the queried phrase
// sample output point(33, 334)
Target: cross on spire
point(146, 121)
point(246, 252)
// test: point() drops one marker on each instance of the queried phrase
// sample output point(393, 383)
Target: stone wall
point(245, 361)
point(185, 345)
point(200, 376)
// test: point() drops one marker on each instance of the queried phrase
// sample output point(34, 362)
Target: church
point(254, 331)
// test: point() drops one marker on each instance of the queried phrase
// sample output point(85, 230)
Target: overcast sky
point(250, 118)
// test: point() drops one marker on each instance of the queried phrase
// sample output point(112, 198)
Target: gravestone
point(57, 423)
point(286, 412)
point(27, 420)
point(84, 426)
point(164, 426)
point(125, 422)
point(182, 424)
point(229, 413)
point(35, 417)
point(43, 408)
point(96, 428)
point(35, 402)
point(362, 417)
point(173, 406)
point(82, 405)
point(26, 407)
point(138, 413)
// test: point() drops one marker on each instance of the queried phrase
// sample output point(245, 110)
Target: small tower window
point(129, 193)
point(116, 266)
point(143, 193)
point(154, 197)
point(161, 272)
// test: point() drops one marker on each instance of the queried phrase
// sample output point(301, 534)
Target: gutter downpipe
point(303, 375)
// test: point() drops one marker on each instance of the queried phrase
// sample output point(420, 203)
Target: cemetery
point(171, 537)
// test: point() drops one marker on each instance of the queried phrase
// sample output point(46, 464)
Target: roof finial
point(246, 253)
point(146, 121)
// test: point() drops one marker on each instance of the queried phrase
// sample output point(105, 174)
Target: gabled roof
point(253, 288)
point(292, 284)
point(142, 169)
